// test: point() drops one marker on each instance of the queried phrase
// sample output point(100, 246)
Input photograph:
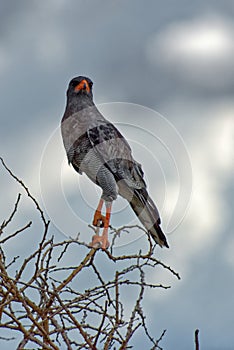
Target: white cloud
point(200, 50)
point(209, 135)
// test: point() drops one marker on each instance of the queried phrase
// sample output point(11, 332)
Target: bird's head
point(80, 86)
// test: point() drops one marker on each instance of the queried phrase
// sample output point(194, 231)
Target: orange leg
point(99, 219)
point(103, 239)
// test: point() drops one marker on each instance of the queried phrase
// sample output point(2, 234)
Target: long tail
point(147, 213)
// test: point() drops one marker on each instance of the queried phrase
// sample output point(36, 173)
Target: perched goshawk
point(97, 148)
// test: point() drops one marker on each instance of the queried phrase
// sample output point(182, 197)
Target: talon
point(95, 242)
point(99, 242)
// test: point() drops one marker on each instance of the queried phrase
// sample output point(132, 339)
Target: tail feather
point(148, 214)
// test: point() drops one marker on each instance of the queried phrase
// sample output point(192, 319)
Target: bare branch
point(54, 305)
point(26, 189)
point(196, 339)
point(6, 222)
point(16, 232)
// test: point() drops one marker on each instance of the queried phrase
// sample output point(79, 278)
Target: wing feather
point(115, 152)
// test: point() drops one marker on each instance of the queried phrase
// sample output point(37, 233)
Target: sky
point(164, 73)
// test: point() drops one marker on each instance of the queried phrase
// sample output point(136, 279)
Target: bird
point(94, 146)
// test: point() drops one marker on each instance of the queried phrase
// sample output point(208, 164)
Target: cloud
point(35, 36)
point(4, 59)
point(210, 143)
point(200, 50)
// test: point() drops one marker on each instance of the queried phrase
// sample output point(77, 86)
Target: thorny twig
point(50, 303)
point(196, 339)
point(6, 222)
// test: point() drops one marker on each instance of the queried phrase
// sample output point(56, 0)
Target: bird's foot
point(100, 242)
point(99, 219)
